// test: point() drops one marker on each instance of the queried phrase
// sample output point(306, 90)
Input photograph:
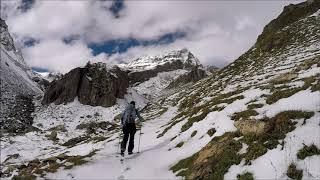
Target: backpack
point(130, 115)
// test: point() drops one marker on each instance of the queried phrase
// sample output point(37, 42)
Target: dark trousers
point(128, 133)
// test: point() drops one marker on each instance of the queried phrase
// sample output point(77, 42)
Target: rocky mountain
point(17, 86)
point(49, 76)
point(257, 118)
point(100, 85)
point(144, 68)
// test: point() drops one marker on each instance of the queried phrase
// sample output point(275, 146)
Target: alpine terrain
point(257, 118)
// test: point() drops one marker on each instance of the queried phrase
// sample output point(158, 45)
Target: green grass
point(254, 106)
point(294, 173)
point(254, 151)
point(277, 95)
point(280, 94)
point(215, 164)
point(74, 141)
point(245, 176)
point(307, 151)
point(244, 114)
point(194, 119)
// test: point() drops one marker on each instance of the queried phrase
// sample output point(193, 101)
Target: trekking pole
point(119, 142)
point(139, 141)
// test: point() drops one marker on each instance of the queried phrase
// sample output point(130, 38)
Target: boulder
point(255, 127)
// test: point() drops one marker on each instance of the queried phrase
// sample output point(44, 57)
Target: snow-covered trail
point(154, 159)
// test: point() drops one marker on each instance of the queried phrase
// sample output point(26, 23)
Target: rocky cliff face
point(5, 38)
point(17, 86)
point(95, 85)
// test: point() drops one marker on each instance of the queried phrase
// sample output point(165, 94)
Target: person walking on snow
point(128, 124)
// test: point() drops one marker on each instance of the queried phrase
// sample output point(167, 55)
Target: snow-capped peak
point(150, 62)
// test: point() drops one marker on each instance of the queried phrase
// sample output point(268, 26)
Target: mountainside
point(99, 85)
point(257, 118)
point(17, 86)
point(262, 109)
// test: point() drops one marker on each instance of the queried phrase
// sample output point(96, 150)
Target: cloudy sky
point(60, 35)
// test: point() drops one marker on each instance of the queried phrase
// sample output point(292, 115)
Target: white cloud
point(58, 56)
point(217, 31)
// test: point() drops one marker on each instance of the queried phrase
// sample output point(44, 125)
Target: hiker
point(128, 124)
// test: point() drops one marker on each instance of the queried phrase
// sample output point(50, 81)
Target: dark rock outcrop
point(20, 118)
point(102, 87)
point(193, 76)
point(94, 85)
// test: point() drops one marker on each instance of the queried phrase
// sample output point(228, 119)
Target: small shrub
point(180, 144)
point(294, 173)
point(211, 131)
point(193, 133)
point(60, 127)
point(308, 151)
point(173, 138)
point(53, 136)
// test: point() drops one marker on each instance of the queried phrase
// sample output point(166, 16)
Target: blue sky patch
point(117, 6)
point(26, 5)
point(39, 69)
point(122, 45)
point(30, 42)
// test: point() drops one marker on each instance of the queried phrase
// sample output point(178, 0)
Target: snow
point(155, 85)
point(303, 100)
point(107, 165)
